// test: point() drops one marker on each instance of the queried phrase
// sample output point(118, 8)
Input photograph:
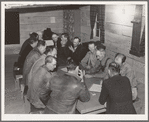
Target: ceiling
point(25, 8)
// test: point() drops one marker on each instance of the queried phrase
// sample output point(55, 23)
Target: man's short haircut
point(33, 38)
point(66, 35)
point(77, 38)
point(101, 47)
point(54, 34)
point(41, 43)
point(71, 65)
point(114, 68)
point(124, 57)
point(91, 42)
point(49, 49)
point(49, 59)
point(33, 35)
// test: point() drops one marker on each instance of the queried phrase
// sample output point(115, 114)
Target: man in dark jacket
point(33, 36)
point(37, 83)
point(116, 91)
point(63, 52)
point(30, 44)
point(30, 60)
point(78, 52)
point(65, 91)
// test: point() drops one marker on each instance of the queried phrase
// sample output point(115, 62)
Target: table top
point(93, 104)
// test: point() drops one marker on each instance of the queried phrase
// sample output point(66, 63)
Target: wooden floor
point(13, 102)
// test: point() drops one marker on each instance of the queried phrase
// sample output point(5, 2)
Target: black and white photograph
point(67, 60)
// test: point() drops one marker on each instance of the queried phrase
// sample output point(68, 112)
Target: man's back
point(30, 60)
point(36, 84)
point(118, 92)
point(65, 91)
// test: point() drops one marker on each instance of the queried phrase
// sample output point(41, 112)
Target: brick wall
point(37, 21)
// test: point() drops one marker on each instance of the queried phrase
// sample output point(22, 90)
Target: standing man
point(65, 91)
point(63, 52)
point(30, 60)
point(33, 36)
point(116, 91)
point(77, 51)
point(38, 81)
point(56, 40)
point(25, 50)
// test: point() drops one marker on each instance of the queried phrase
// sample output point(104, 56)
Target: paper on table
point(95, 88)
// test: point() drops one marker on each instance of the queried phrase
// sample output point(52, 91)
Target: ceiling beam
point(42, 8)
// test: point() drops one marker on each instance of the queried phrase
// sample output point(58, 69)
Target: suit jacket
point(65, 91)
point(116, 91)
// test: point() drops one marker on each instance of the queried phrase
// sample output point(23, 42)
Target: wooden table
point(92, 106)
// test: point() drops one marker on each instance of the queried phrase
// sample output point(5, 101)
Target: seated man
point(65, 91)
point(53, 41)
point(77, 50)
point(116, 91)
point(125, 68)
point(30, 60)
point(38, 81)
point(50, 50)
point(63, 52)
point(101, 65)
point(90, 59)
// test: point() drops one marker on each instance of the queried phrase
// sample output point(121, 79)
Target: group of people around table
point(51, 93)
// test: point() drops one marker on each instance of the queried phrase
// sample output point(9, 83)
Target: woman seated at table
point(116, 91)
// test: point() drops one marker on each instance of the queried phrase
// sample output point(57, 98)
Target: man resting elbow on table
point(99, 69)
